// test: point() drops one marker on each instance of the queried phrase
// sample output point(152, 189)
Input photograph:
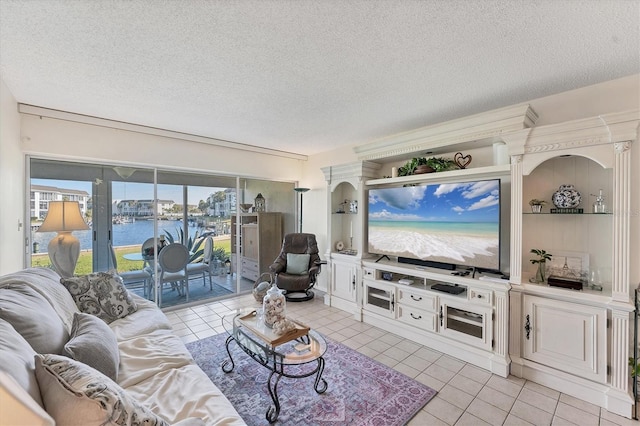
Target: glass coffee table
point(257, 340)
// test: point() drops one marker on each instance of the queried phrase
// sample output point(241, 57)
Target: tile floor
point(467, 395)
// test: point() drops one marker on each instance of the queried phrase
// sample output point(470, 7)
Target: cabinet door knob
point(417, 299)
point(441, 317)
point(527, 326)
point(415, 317)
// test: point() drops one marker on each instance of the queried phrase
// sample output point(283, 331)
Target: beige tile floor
point(467, 395)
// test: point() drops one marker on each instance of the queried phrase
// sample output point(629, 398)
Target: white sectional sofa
point(58, 349)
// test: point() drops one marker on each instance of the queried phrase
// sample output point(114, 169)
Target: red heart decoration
point(462, 160)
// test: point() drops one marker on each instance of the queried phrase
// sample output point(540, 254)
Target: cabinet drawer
point(417, 318)
point(410, 297)
point(249, 274)
point(482, 297)
point(249, 264)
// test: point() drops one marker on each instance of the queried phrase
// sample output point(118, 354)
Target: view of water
point(124, 234)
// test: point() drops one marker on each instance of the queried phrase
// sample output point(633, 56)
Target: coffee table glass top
point(305, 349)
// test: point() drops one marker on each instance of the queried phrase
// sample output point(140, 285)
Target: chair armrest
point(276, 268)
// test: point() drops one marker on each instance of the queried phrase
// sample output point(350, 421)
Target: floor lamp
point(64, 217)
point(301, 191)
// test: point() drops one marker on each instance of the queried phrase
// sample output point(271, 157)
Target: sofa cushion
point(33, 317)
point(46, 282)
point(93, 343)
point(76, 394)
point(16, 357)
point(298, 264)
point(101, 294)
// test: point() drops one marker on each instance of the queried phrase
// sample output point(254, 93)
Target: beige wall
point(12, 192)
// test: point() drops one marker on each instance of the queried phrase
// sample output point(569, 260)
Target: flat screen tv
point(446, 223)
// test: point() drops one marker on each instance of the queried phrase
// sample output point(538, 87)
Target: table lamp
point(64, 217)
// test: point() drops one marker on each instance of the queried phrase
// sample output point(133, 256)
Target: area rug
point(361, 391)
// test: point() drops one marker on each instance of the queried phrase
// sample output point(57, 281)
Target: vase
point(536, 208)
point(274, 306)
point(540, 272)
point(566, 197)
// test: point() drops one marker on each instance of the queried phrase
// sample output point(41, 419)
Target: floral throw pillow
point(101, 294)
point(75, 394)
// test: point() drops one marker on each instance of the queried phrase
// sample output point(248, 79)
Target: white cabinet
point(567, 336)
point(559, 336)
point(466, 323)
point(379, 298)
point(344, 279)
point(345, 235)
point(461, 325)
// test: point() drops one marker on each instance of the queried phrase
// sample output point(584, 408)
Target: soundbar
point(429, 263)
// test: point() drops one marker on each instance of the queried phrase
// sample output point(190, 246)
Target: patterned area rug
point(361, 391)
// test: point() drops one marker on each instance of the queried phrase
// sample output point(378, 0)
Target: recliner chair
point(297, 266)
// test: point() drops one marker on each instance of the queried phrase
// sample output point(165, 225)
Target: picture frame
point(569, 264)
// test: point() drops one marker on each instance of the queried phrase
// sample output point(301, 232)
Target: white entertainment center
point(575, 341)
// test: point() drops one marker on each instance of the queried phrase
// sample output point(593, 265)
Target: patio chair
point(142, 276)
point(204, 267)
point(172, 267)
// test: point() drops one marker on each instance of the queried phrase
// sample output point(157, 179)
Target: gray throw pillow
point(76, 394)
point(297, 264)
point(101, 294)
point(93, 343)
point(34, 318)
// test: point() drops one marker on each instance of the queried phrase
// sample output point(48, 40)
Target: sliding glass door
point(126, 206)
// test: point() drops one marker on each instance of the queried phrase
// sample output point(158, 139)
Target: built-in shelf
point(476, 173)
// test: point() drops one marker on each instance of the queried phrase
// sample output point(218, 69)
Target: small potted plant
point(536, 205)
point(543, 256)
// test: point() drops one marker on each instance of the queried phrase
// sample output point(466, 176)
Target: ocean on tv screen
point(455, 223)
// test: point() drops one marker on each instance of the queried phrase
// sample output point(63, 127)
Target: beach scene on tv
point(455, 223)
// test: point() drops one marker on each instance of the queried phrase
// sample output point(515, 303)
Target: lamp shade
point(63, 216)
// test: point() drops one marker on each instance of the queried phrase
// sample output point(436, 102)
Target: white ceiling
point(307, 76)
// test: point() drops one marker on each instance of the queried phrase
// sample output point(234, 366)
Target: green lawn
point(85, 264)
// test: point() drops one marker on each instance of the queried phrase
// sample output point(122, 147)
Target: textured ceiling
point(307, 76)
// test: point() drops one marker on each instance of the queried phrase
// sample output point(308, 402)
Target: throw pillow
point(101, 294)
point(93, 343)
point(297, 264)
point(34, 318)
point(76, 394)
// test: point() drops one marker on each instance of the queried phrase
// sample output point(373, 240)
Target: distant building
point(41, 195)
point(222, 207)
point(140, 208)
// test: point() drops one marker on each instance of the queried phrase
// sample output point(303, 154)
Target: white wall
point(12, 192)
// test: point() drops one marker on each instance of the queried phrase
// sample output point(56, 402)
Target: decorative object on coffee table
point(262, 285)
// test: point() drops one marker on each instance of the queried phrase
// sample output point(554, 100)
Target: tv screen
point(450, 223)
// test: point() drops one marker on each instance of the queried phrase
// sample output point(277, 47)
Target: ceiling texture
point(307, 76)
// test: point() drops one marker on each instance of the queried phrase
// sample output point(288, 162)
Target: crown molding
point(119, 125)
point(473, 131)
